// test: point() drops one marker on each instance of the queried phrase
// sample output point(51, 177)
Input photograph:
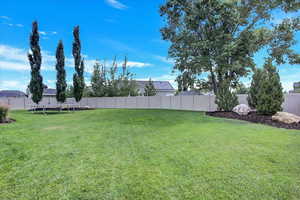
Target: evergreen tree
point(150, 89)
point(254, 88)
point(78, 77)
point(226, 99)
point(98, 81)
point(270, 95)
point(36, 86)
point(61, 84)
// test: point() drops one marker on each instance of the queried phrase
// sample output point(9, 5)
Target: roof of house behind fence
point(11, 93)
point(49, 92)
point(159, 85)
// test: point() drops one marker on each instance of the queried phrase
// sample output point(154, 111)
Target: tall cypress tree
point(61, 84)
point(36, 86)
point(78, 78)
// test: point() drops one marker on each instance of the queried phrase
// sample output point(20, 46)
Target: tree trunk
point(214, 82)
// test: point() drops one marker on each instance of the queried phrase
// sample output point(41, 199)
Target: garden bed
point(77, 108)
point(7, 121)
point(255, 118)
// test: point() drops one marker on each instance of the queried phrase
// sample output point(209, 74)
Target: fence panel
point(187, 102)
point(202, 103)
point(292, 103)
point(142, 102)
point(166, 102)
point(155, 102)
point(197, 103)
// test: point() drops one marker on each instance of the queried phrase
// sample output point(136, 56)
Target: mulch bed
point(62, 109)
point(7, 121)
point(255, 118)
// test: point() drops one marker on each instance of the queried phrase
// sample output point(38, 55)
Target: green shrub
point(226, 99)
point(270, 95)
point(3, 113)
point(254, 88)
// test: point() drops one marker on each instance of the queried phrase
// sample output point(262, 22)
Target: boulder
point(285, 117)
point(242, 109)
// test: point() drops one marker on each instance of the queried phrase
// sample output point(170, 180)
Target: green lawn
point(146, 154)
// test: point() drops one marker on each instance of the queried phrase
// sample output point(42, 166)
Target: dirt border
point(8, 121)
point(254, 118)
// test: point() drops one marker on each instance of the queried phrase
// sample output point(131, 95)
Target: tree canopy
point(78, 77)
point(220, 38)
point(36, 86)
point(61, 84)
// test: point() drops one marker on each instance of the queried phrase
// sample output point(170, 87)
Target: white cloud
point(12, 58)
point(15, 59)
point(165, 59)
point(13, 25)
point(137, 64)
point(11, 53)
point(12, 65)
point(7, 21)
point(89, 64)
point(12, 85)
point(116, 4)
point(5, 17)
point(47, 33)
point(42, 32)
point(19, 25)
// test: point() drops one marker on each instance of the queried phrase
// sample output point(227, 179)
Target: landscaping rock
point(285, 117)
point(242, 109)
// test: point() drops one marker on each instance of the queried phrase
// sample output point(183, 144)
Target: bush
point(226, 99)
point(254, 88)
point(3, 113)
point(270, 94)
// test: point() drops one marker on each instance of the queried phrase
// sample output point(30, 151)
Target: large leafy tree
point(78, 77)
point(36, 86)
point(61, 84)
point(220, 38)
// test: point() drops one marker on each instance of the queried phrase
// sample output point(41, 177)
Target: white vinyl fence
point(195, 103)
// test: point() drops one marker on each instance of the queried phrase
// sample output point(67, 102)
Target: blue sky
point(108, 28)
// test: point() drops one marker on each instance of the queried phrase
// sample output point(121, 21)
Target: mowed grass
point(145, 154)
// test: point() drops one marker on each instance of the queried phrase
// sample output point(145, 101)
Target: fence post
point(209, 106)
point(136, 102)
point(193, 108)
point(180, 102)
point(148, 101)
